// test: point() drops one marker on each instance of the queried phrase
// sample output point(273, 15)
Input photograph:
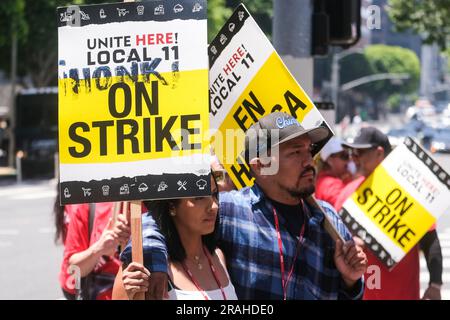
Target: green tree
point(352, 67)
point(220, 10)
point(218, 13)
point(430, 19)
point(261, 10)
point(35, 23)
point(382, 59)
point(393, 59)
point(12, 20)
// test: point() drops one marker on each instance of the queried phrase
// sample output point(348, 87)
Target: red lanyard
point(213, 270)
point(285, 281)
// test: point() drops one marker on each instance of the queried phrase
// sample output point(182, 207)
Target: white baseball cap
point(333, 146)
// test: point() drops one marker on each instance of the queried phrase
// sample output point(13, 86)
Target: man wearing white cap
point(337, 170)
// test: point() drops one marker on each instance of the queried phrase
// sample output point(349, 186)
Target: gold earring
point(172, 213)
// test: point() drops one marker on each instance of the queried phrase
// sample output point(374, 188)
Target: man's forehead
point(301, 141)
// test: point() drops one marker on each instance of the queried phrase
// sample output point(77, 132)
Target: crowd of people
point(261, 242)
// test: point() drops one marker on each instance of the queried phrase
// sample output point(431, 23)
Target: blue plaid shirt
point(248, 239)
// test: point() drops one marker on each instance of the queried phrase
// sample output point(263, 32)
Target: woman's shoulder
point(221, 257)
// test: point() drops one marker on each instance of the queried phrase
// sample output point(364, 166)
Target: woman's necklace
point(213, 270)
point(197, 261)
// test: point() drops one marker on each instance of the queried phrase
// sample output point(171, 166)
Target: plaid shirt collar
point(258, 196)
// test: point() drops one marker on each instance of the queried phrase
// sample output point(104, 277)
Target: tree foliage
point(393, 59)
point(378, 59)
point(218, 13)
point(10, 25)
point(220, 10)
point(35, 23)
point(261, 10)
point(430, 19)
point(382, 59)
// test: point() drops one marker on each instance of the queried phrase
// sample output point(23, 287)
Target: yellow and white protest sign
point(399, 202)
point(248, 80)
point(133, 101)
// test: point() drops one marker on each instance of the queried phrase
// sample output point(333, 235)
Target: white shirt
point(216, 294)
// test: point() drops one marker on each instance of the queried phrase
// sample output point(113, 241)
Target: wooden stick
point(137, 251)
point(126, 210)
point(136, 239)
point(116, 210)
point(121, 208)
point(328, 225)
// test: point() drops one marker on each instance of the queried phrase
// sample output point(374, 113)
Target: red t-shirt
point(77, 240)
point(402, 282)
point(328, 187)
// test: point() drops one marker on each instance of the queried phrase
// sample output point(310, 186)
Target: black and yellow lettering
point(131, 136)
point(163, 133)
point(393, 196)
point(405, 236)
point(396, 227)
point(103, 134)
point(362, 199)
point(383, 212)
point(147, 135)
point(239, 170)
point(240, 120)
point(186, 129)
point(293, 103)
point(255, 106)
point(141, 92)
point(112, 100)
point(79, 139)
point(404, 207)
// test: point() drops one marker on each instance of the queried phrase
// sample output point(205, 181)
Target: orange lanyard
point(285, 281)
point(213, 270)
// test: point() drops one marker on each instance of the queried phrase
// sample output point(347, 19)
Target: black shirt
point(293, 216)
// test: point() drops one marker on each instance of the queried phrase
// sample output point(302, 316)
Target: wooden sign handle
point(116, 210)
point(328, 225)
point(137, 252)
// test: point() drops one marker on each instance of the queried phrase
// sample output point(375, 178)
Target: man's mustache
point(307, 169)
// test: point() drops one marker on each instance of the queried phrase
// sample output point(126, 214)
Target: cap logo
point(283, 122)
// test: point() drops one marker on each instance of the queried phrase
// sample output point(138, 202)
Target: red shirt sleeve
point(347, 191)
point(77, 233)
point(328, 189)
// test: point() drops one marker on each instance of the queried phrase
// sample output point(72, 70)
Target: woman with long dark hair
point(197, 268)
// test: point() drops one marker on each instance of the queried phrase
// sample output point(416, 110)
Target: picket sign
point(124, 105)
point(398, 203)
point(135, 222)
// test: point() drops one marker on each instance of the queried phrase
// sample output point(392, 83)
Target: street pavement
point(444, 238)
point(30, 260)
